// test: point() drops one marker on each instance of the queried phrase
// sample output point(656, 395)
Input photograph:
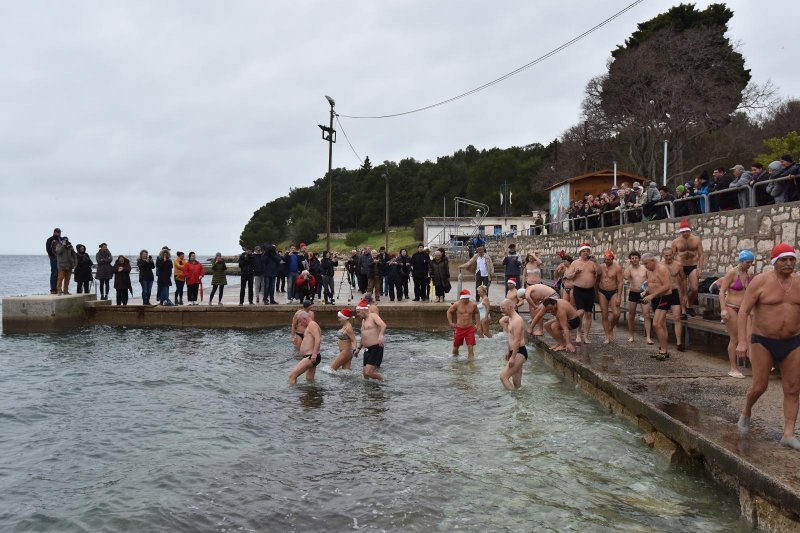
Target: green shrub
point(356, 238)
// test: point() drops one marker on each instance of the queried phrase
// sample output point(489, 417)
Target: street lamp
point(329, 134)
point(385, 176)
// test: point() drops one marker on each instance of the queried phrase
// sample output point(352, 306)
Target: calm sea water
point(160, 430)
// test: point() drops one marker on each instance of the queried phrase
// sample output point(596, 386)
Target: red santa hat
point(346, 314)
point(684, 226)
point(585, 246)
point(363, 305)
point(513, 281)
point(464, 295)
point(782, 250)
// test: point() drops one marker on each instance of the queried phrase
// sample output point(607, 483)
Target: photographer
point(66, 259)
point(247, 269)
point(328, 266)
point(273, 262)
point(350, 266)
point(164, 273)
point(146, 266)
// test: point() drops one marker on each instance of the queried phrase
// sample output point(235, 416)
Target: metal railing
point(764, 184)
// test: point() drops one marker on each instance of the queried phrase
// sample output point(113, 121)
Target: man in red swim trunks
point(466, 316)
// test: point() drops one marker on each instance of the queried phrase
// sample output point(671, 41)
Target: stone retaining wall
point(724, 234)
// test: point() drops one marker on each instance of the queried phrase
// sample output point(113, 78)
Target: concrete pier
point(44, 312)
point(688, 407)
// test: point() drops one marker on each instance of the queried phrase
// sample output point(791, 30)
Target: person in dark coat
point(315, 267)
point(50, 247)
point(394, 275)
point(104, 269)
point(364, 269)
point(405, 270)
point(273, 265)
point(146, 267)
point(420, 270)
point(122, 279)
point(83, 269)
point(247, 269)
point(164, 273)
point(328, 265)
point(440, 274)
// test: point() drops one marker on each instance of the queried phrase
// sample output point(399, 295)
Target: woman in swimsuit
point(484, 311)
point(533, 269)
point(731, 294)
point(347, 341)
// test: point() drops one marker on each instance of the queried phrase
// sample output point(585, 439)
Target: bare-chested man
point(372, 331)
point(609, 288)
point(466, 317)
point(309, 349)
point(512, 293)
point(583, 274)
point(774, 299)
point(657, 295)
point(636, 274)
point(535, 295)
point(566, 319)
point(677, 280)
point(688, 250)
point(298, 330)
point(511, 376)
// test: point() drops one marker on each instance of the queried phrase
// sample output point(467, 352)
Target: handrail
point(571, 223)
point(764, 183)
point(723, 191)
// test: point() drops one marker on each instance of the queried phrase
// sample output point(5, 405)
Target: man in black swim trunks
point(657, 296)
point(566, 319)
point(583, 274)
point(773, 300)
point(309, 349)
point(511, 376)
point(372, 332)
point(688, 250)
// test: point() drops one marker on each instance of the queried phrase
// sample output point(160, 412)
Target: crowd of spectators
point(635, 203)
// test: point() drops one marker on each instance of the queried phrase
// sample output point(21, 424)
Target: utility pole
point(329, 134)
point(386, 226)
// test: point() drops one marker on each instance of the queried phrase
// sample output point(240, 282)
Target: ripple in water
point(134, 429)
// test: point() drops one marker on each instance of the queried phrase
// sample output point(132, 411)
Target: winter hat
point(681, 189)
point(362, 305)
point(464, 295)
point(585, 246)
point(684, 226)
point(746, 255)
point(609, 254)
point(787, 158)
point(782, 250)
point(345, 314)
point(512, 281)
point(307, 303)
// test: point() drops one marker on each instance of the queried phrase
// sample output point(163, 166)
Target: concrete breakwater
point(724, 233)
point(687, 410)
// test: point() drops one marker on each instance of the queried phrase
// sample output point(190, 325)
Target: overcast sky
point(151, 123)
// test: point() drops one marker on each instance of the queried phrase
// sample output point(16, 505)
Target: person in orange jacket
point(180, 277)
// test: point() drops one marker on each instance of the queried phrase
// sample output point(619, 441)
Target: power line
point(513, 72)
point(348, 140)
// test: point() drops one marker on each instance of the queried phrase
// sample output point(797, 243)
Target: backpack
point(705, 284)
